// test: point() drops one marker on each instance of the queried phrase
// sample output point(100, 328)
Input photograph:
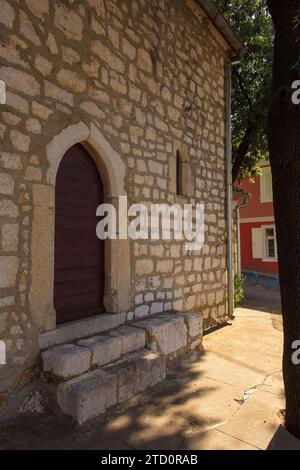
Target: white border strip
point(257, 219)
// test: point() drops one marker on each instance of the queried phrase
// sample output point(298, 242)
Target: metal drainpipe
point(228, 82)
point(238, 207)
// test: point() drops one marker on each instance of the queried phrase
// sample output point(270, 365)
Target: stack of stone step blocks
point(93, 374)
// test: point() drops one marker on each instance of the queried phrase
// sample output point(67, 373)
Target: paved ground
point(231, 398)
point(262, 299)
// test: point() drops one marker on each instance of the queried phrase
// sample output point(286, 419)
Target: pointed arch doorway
point(78, 253)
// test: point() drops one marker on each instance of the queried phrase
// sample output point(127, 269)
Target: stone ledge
point(91, 394)
point(66, 361)
point(88, 395)
point(194, 322)
point(104, 349)
point(137, 372)
point(131, 338)
point(173, 334)
point(165, 334)
point(80, 329)
point(69, 360)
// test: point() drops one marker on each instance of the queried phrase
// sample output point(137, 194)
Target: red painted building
point(257, 225)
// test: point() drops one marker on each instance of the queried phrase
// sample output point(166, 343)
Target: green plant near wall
point(238, 289)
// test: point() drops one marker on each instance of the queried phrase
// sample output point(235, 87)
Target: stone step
point(172, 334)
point(98, 372)
point(91, 394)
point(71, 360)
point(67, 360)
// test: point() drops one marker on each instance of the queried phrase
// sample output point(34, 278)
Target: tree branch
point(243, 89)
point(242, 151)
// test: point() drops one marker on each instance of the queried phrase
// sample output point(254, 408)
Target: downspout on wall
point(238, 229)
point(229, 191)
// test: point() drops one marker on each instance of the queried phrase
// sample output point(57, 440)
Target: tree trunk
point(284, 146)
point(242, 151)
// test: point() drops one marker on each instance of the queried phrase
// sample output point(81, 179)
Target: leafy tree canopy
point(251, 83)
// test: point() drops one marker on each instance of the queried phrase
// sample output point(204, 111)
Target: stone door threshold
point(80, 329)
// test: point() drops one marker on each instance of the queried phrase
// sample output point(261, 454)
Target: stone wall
point(150, 77)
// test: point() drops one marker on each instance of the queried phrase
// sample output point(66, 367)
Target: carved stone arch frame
point(117, 291)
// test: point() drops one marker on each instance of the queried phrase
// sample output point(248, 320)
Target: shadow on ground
point(160, 419)
point(231, 397)
point(262, 299)
point(282, 440)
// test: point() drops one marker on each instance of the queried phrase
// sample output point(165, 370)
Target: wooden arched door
point(79, 254)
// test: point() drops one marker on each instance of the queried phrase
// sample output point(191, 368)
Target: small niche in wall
point(184, 177)
point(179, 162)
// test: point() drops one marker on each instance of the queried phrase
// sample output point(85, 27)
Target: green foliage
point(238, 289)
point(251, 79)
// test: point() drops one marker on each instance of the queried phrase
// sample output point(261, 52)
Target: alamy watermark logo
point(153, 221)
point(296, 93)
point(296, 354)
point(2, 353)
point(2, 92)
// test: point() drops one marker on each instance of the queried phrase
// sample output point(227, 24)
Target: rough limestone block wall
point(150, 76)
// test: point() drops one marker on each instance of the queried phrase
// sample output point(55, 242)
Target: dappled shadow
point(187, 411)
point(167, 414)
point(161, 418)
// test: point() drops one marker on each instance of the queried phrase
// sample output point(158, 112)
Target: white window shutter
point(266, 190)
point(257, 243)
point(270, 187)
